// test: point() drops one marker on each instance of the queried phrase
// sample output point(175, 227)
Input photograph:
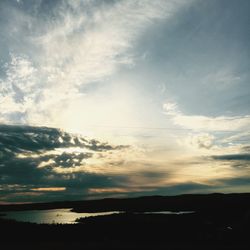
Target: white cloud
point(84, 42)
point(242, 137)
point(206, 123)
point(18, 89)
point(96, 41)
point(220, 123)
point(203, 140)
point(170, 108)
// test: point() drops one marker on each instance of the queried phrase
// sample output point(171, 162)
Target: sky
point(123, 98)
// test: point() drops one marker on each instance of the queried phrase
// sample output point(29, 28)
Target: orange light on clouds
point(115, 190)
point(49, 189)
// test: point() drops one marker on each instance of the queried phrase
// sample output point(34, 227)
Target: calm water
point(50, 216)
point(170, 212)
point(63, 216)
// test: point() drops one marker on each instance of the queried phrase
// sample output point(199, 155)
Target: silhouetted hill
point(187, 202)
point(220, 221)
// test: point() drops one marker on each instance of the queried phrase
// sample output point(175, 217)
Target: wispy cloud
point(205, 123)
point(103, 69)
point(75, 44)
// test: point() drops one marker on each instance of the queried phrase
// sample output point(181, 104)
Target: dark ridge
point(186, 202)
point(220, 221)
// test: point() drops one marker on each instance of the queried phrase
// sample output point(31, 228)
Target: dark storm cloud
point(70, 159)
point(97, 146)
point(17, 139)
point(237, 181)
point(24, 148)
point(232, 157)
point(76, 188)
point(240, 161)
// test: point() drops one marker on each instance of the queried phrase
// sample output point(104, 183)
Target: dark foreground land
point(219, 222)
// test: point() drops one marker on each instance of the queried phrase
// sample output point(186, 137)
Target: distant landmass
point(185, 202)
point(218, 221)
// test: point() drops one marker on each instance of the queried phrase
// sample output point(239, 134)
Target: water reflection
point(62, 216)
point(65, 216)
point(170, 212)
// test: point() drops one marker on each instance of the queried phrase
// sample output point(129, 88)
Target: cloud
point(238, 181)
point(93, 67)
point(207, 136)
point(190, 187)
point(45, 164)
point(31, 157)
point(203, 140)
point(241, 137)
point(232, 157)
point(246, 148)
point(219, 123)
point(205, 123)
point(36, 139)
point(49, 189)
point(96, 41)
point(170, 108)
point(222, 79)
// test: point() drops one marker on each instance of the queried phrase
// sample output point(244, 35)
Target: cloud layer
point(44, 164)
point(165, 83)
point(33, 159)
point(66, 46)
